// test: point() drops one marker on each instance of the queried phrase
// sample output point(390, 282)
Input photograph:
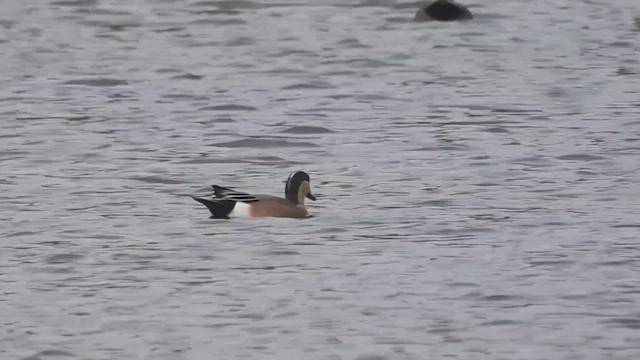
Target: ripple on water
point(134, 96)
point(371, 357)
point(62, 258)
point(264, 143)
point(228, 107)
point(500, 297)
point(637, 225)
point(625, 323)
point(436, 203)
point(500, 323)
point(449, 147)
point(78, 3)
point(307, 130)
point(302, 86)
point(58, 354)
point(155, 180)
point(188, 76)
point(210, 160)
point(97, 82)
point(580, 157)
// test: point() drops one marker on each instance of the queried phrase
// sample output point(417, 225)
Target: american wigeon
point(443, 10)
point(227, 203)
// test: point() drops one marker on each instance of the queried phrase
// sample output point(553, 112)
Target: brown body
point(271, 206)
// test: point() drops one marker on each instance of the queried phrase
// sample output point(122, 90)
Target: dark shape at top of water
point(443, 10)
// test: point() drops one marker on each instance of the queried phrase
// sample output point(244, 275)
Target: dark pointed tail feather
point(219, 190)
point(230, 194)
point(220, 209)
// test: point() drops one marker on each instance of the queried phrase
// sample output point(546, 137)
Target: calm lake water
point(478, 183)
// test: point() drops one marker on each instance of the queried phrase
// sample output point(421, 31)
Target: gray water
point(477, 182)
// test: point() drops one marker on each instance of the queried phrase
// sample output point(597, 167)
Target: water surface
point(477, 182)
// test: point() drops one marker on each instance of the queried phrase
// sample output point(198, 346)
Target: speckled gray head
point(443, 10)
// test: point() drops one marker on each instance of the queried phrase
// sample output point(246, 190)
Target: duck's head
point(298, 188)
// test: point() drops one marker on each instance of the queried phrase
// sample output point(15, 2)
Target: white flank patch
point(241, 210)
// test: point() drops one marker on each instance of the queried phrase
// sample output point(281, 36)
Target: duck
point(227, 203)
point(443, 10)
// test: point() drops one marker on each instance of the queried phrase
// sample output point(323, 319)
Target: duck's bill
point(310, 196)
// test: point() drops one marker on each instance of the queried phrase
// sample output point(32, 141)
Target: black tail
point(220, 209)
point(230, 194)
point(219, 190)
